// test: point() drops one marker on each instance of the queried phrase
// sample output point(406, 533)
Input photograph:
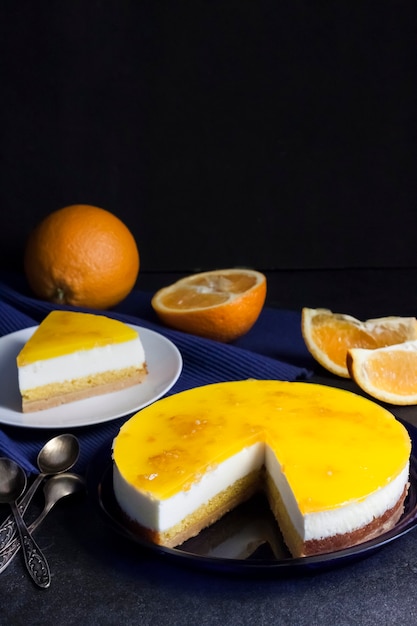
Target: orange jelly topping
point(334, 447)
point(63, 332)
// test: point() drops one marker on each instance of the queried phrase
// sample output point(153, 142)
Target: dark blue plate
point(246, 540)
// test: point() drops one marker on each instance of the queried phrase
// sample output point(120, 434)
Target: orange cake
point(72, 355)
point(334, 465)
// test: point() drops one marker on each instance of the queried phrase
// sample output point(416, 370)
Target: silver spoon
point(55, 488)
point(57, 455)
point(12, 485)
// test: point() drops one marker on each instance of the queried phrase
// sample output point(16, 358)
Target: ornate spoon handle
point(35, 561)
point(10, 551)
point(8, 527)
point(8, 554)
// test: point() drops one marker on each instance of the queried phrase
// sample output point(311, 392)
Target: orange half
point(219, 304)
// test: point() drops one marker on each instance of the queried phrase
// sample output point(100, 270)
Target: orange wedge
point(328, 336)
point(220, 304)
point(388, 374)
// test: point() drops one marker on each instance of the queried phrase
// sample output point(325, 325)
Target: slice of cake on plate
point(334, 465)
point(72, 356)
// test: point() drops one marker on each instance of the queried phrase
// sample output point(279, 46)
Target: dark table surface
point(99, 577)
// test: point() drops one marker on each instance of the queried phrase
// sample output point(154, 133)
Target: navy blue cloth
point(273, 349)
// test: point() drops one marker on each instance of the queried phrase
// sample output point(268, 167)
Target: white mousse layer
point(83, 363)
point(160, 515)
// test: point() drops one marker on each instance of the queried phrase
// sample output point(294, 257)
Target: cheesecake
point(72, 356)
point(334, 465)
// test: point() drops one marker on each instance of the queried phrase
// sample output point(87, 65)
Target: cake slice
point(74, 355)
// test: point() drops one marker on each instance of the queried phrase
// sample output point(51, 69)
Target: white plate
point(164, 363)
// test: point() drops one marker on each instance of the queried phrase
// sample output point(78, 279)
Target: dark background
point(270, 134)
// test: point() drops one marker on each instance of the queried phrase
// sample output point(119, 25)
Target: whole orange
point(82, 255)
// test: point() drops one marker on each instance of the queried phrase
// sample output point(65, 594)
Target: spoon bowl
point(58, 454)
point(12, 481)
point(60, 486)
point(12, 485)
